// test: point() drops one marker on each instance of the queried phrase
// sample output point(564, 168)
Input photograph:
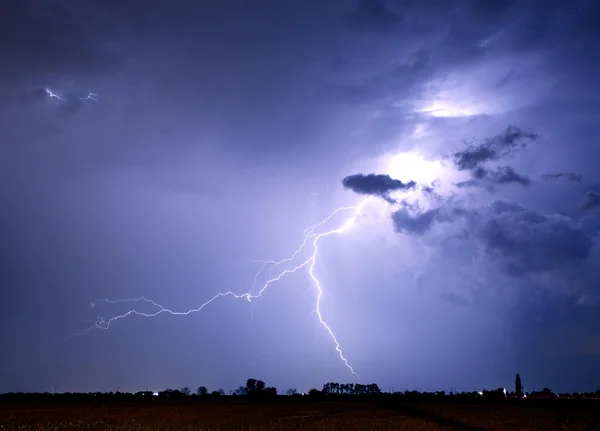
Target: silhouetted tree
point(518, 386)
point(314, 393)
point(257, 389)
point(251, 385)
point(350, 389)
point(242, 390)
point(202, 391)
point(496, 393)
point(185, 390)
point(544, 393)
point(291, 391)
point(331, 388)
point(373, 389)
point(168, 393)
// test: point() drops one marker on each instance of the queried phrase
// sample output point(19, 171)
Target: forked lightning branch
point(312, 238)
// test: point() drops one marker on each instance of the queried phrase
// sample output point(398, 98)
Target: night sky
point(164, 149)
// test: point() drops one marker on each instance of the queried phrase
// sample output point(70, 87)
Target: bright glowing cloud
point(411, 166)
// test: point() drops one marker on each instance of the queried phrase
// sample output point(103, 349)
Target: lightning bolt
point(54, 95)
point(309, 237)
point(59, 97)
point(90, 96)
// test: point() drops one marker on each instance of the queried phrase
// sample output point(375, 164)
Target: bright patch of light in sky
point(411, 166)
point(447, 108)
point(456, 96)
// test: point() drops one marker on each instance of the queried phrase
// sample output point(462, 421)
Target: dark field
point(231, 414)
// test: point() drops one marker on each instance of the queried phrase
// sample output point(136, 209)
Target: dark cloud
point(501, 175)
point(567, 176)
point(526, 241)
point(430, 192)
point(419, 223)
point(591, 201)
point(476, 157)
point(522, 240)
point(487, 178)
point(373, 16)
point(500, 207)
point(500, 146)
point(44, 39)
point(546, 23)
point(475, 183)
point(376, 185)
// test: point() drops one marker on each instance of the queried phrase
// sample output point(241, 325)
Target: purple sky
point(222, 129)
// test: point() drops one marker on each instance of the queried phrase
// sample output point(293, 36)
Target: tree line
point(257, 389)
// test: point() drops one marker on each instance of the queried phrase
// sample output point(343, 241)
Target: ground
point(286, 414)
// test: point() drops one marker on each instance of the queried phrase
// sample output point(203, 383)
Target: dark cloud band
point(591, 201)
point(376, 185)
point(567, 176)
point(476, 157)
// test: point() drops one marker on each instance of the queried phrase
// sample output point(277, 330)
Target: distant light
point(412, 166)
point(449, 109)
point(155, 394)
point(456, 97)
point(504, 390)
point(480, 393)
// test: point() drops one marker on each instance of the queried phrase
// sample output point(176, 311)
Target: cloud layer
point(591, 201)
point(376, 185)
point(567, 176)
point(526, 241)
point(477, 156)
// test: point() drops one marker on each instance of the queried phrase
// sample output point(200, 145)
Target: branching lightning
point(310, 237)
point(90, 96)
point(54, 95)
point(60, 98)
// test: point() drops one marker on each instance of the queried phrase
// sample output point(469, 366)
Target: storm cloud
point(476, 157)
point(419, 223)
point(376, 185)
point(527, 241)
point(502, 175)
point(373, 16)
point(487, 178)
point(65, 42)
point(591, 201)
point(495, 148)
point(567, 176)
point(520, 240)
